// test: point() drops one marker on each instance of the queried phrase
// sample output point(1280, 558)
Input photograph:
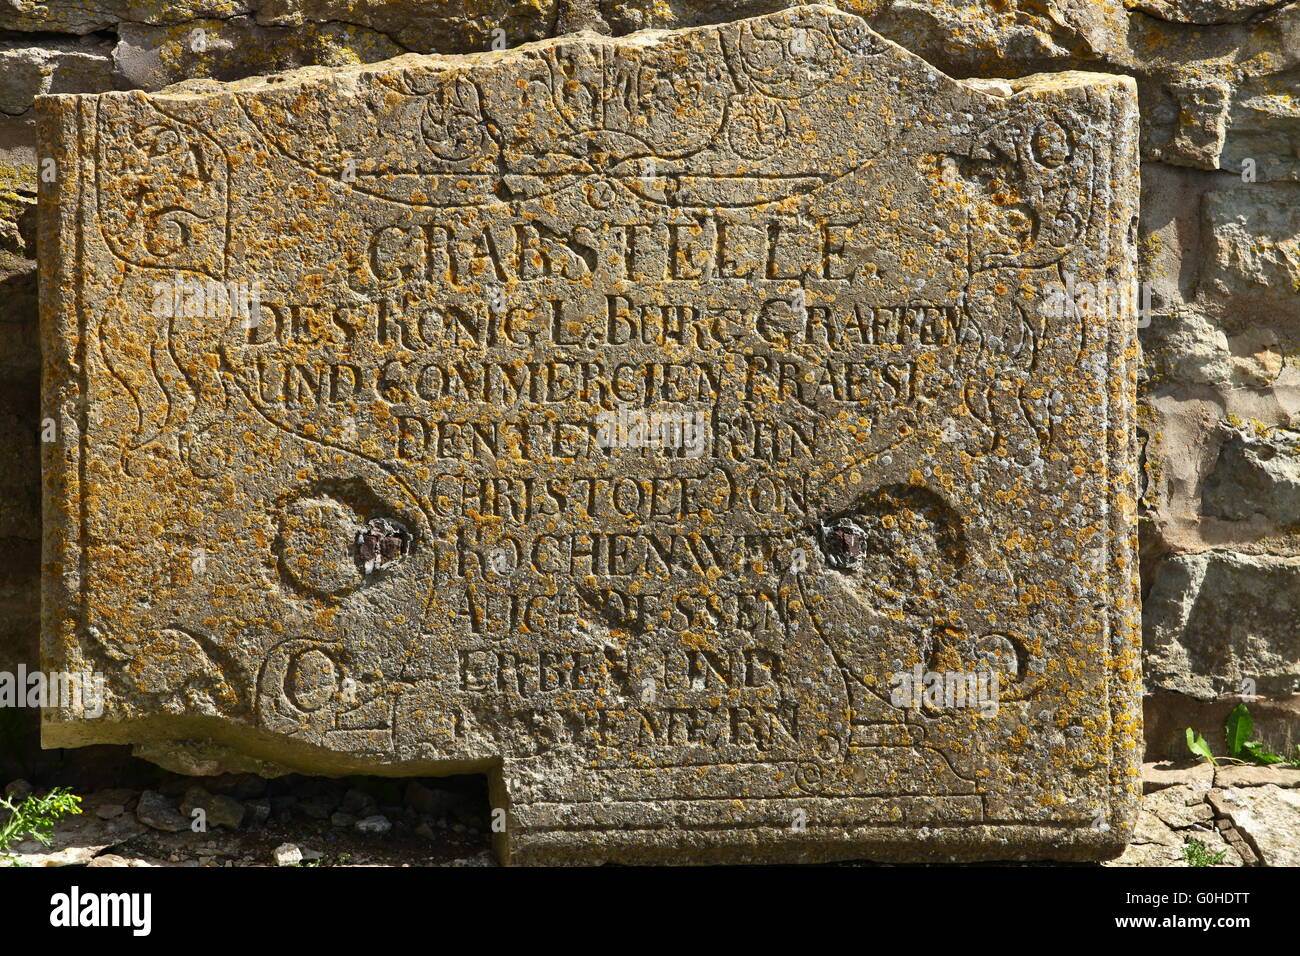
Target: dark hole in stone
point(381, 544)
point(900, 541)
point(845, 543)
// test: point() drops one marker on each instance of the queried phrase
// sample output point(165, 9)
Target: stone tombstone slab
point(677, 428)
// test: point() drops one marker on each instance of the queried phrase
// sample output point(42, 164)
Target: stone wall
point(1220, 234)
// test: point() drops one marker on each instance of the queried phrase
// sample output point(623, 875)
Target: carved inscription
point(640, 420)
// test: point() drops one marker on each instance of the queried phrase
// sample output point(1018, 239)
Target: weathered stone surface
point(1179, 807)
point(392, 521)
point(1188, 119)
point(156, 811)
point(1263, 123)
point(1215, 620)
point(1183, 53)
point(219, 810)
point(1161, 776)
point(1156, 843)
point(1203, 11)
point(1253, 246)
point(80, 16)
point(28, 71)
point(1257, 479)
point(1257, 776)
point(1267, 817)
point(970, 35)
point(151, 57)
point(287, 854)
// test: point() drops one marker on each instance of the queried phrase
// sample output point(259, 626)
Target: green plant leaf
point(1237, 729)
point(1197, 745)
point(35, 817)
point(1261, 754)
point(1197, 853)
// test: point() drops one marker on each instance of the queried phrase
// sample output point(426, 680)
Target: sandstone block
point(722, 438)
